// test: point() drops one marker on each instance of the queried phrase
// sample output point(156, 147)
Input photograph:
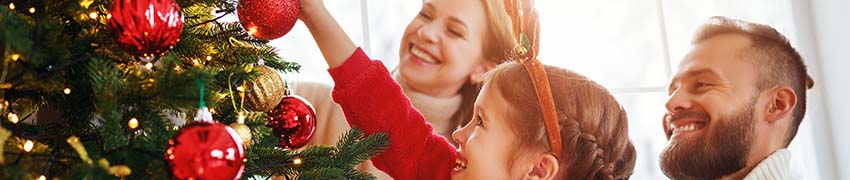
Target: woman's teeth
point(422, 55)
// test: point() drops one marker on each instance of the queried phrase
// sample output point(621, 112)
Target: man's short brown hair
point(778, 63)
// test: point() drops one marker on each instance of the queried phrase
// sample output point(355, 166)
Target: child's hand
point(309, 9)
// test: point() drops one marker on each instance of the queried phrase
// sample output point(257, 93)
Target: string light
point(149, 66)
point(252, 30)
point(297, 161)
point(196, 62)
point(240, 88)
point(32, 10)
point(209, 58)
point(108, 16)
point(241, 118)
point(42, 177)
point(15, 57)
point(12, 6)
point(28, 146)
point(67, 91)
point(133, 124)
point(93, 15)
point(13, 118)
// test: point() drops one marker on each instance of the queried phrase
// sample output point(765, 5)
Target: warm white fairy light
point(42, 177)
point(252, 30)
point(28, 146)
point(149, 66)
point(241, 118)
point(67, 91)
point(12, 6)
point(297, 161)
point(13, 118)
point(15, 57)
point(32, 10)
point(133, 124)
point(93, 15)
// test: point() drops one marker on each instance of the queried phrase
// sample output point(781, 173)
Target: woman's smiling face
point(443, 46)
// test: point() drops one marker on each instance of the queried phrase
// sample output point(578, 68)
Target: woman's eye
point(455, 33)
point(700, 85)
point(425, 15)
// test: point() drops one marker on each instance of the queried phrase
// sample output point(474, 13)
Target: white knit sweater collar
point(774, 167)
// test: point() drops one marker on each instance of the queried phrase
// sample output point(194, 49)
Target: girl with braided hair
point(530, 121)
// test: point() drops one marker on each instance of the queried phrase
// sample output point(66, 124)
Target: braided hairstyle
point(593, 125)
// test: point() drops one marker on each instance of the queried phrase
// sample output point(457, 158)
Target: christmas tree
point(87, 94)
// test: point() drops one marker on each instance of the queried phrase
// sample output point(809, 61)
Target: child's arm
point(372, 101)
point(335, 45)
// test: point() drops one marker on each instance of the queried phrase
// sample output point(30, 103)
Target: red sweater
point(373, 102)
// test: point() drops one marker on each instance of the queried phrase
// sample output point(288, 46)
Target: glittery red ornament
point(293, 121)
point(206, 150)
point(146, 28)
point(268, 19)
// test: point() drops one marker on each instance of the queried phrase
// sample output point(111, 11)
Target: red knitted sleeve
point(373, 102)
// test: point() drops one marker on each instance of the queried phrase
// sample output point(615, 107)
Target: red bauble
point(146, 28)
point(293, 121)
point(268, 19)
point(204, 150)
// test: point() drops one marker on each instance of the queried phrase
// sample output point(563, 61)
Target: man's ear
point(781, 104)
point(479, 70)
point(546, 167)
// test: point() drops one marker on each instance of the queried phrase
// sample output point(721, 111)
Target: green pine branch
point(63, 75)
point(318, 162)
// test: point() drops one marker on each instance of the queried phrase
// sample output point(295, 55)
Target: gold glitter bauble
point(244, 133)
point(264, 92)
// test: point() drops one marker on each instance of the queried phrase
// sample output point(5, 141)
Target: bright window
point(629, 46)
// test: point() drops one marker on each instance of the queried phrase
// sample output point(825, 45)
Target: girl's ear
point(546, 167)
point(479, 70)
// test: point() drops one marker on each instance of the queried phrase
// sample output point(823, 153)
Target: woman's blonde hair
point(501, 41)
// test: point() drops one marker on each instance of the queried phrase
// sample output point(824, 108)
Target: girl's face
point(442, 47)
point(487, 144)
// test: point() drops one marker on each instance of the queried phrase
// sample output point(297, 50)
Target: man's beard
point(712, 156)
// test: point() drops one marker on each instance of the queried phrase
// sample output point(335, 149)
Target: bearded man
point(734, 104)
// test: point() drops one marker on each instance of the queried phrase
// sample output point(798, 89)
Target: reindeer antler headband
point(537, 72)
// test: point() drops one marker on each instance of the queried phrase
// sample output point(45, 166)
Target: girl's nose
point(460, 135)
